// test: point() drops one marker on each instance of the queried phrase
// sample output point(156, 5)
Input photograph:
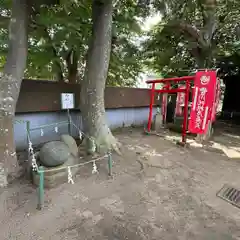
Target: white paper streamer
point(34, 161)
point(80, 135)
point(93, 146)
point(70, 180)
point(94, 170)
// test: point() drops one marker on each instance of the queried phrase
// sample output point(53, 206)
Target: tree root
point(116, 147)
point(108, 143)
point(103, 144)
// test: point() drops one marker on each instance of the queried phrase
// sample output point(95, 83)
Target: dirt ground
point(159, 191)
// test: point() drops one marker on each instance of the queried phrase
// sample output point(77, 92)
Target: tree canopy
point(177, 44)
point(59, 36)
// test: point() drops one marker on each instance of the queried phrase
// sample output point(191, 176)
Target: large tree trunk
point(93, 85)
point(10, 83)
point(208, 8)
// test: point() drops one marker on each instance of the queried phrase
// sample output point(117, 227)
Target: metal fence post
point(41, 188)
point(109, 164)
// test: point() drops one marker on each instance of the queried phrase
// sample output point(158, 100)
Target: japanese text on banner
point(203, 101)
point(201, 111)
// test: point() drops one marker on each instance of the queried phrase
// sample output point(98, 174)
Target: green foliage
point(58, 31)
point(167, 52)
point(174, 51)
point(125, 64)
point(166, 49)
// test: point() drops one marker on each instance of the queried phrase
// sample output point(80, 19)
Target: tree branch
point(188, 30)
point(208, 8)
point(202, 37)
point(72, 65)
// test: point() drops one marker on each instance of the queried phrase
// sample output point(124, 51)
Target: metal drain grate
point(230, 194)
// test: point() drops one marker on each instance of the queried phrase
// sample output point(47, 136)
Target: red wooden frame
point(167, 89)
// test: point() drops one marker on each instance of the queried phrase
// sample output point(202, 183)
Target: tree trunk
point(72, 66)
point(10, 83)
point(57, 65)
point(208, 8)
point(93, 85)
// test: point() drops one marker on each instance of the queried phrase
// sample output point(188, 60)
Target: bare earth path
point(159, 191)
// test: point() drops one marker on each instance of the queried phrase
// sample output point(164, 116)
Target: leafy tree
point(193, 35)
point(176, 47)
point(97, 64)
point(59, 37)
point(10, 82)
point(93, 85)
point(186, 32)
point(228, 37)
point(167, 53)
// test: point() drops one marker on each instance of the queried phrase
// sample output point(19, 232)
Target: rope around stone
point(81, 133)
point(72, 166)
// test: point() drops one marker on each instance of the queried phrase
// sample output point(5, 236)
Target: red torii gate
point(167, 89)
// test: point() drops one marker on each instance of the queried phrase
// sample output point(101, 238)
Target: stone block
point(58, 175)
point(71, 143)
point(54, 154)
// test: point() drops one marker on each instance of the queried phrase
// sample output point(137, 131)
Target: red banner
point(217, 100)
point(180, 102)
point(164, 107)
point(204, 93)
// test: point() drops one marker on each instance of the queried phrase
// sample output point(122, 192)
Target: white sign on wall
point(67, 100)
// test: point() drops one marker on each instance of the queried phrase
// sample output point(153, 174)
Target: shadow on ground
point(159, 191)
point(227, 139)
